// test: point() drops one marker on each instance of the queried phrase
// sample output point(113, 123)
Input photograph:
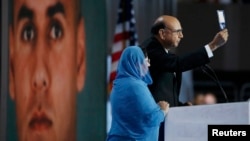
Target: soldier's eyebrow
point(54, 9)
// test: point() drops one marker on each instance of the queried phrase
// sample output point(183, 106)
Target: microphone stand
point(214, 77)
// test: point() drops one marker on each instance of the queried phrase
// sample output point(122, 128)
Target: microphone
point(206, 68)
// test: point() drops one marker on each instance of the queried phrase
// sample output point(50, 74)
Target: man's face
point(199, 99)
point(173, 34)
point(210, 99)
point(47, 68)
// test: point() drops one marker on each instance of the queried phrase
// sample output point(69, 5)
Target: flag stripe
point(114, 66)
point(113, 75)
point(121, 36)
point(116, 56)
point(118, 46)
point(121, 26)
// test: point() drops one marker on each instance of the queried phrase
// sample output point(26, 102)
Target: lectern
point(190, 123)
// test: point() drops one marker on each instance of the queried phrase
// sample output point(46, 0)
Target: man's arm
point(219, 40)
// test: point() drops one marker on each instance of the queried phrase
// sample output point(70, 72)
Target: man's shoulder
point(153, 46)
point(149, 42)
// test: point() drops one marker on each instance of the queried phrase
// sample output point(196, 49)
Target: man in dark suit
point(166, 67)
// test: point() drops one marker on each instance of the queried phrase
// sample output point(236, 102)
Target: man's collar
point(166, 50)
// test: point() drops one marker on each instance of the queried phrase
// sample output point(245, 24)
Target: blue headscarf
point(135, 115)
point(132, 64)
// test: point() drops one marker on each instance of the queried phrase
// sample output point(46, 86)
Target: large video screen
point(57, 65)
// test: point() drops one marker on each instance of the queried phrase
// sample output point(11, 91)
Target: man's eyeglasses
point(178, 31)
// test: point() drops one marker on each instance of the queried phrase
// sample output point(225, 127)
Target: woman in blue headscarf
point(135, 115)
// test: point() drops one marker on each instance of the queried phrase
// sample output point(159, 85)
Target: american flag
point(125, 35)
